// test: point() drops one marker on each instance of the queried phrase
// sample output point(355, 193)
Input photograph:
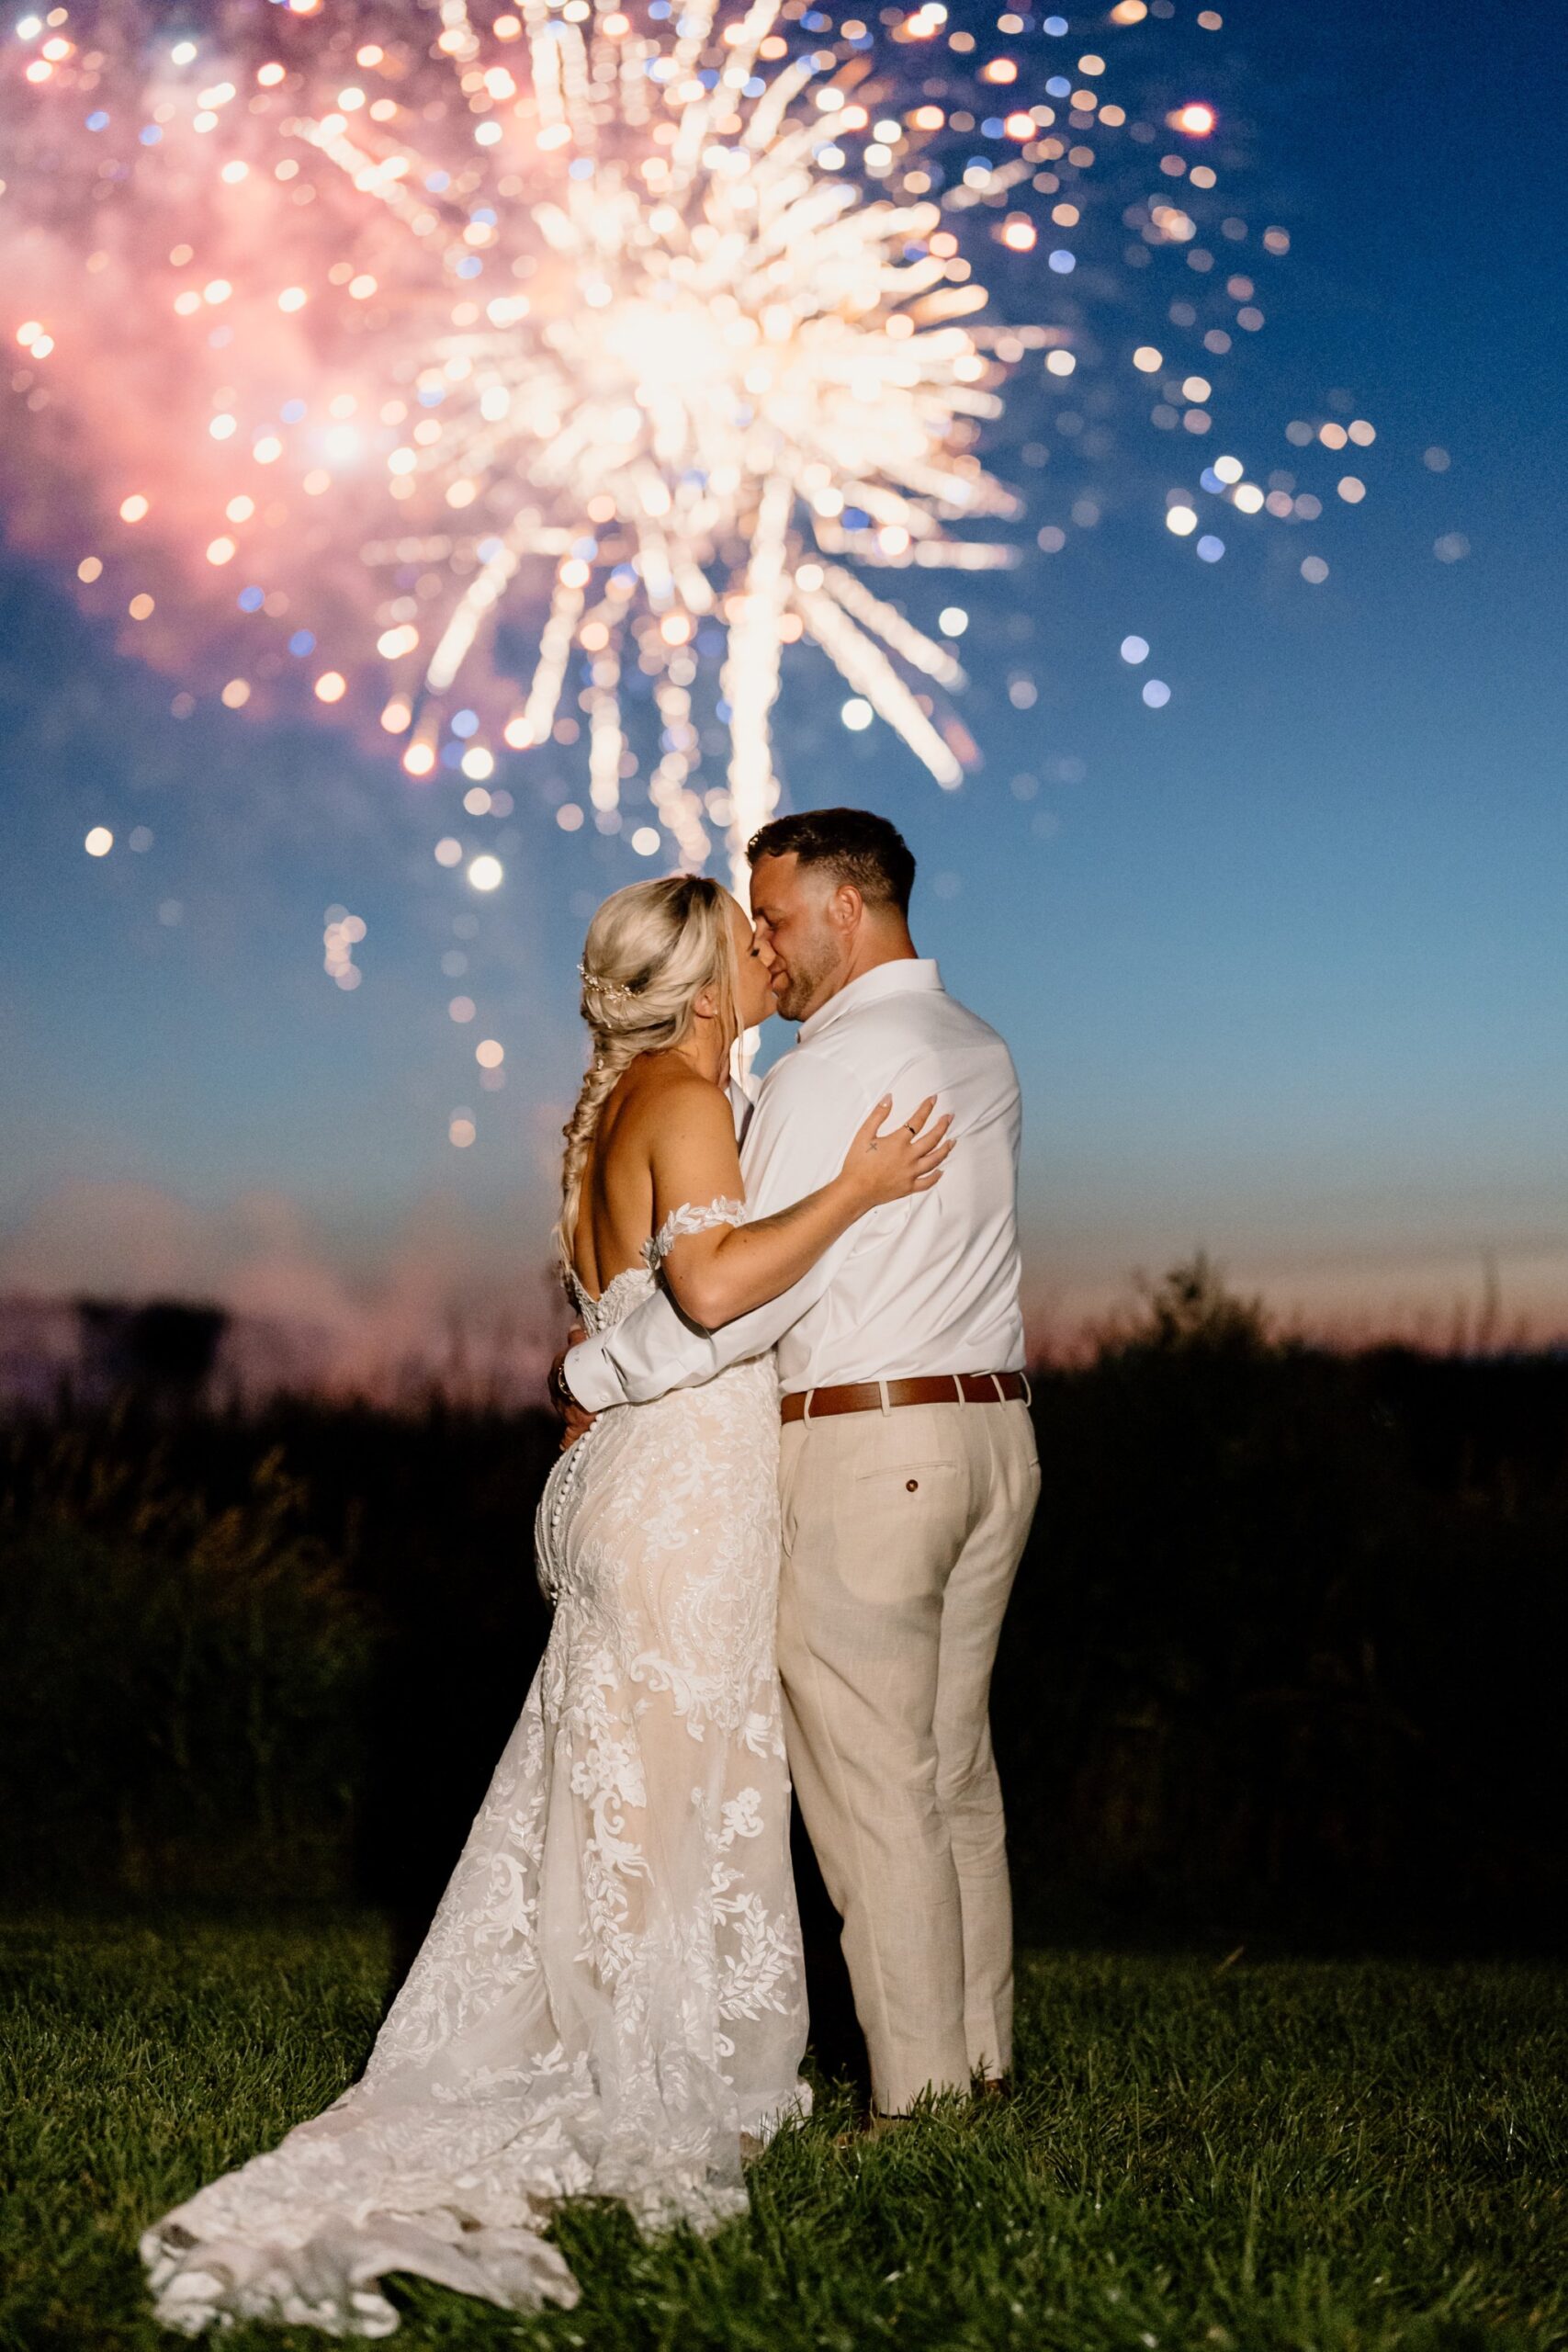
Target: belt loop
point(1028, 1388)
point(882, 1392)
point(997, 1384)
point(959, 1397)
point(805, 1408)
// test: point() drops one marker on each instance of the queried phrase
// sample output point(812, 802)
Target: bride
point(609, 2001)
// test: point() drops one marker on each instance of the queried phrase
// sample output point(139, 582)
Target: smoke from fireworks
point(544, 378)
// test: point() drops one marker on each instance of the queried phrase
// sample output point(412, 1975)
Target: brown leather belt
point(931, 1388)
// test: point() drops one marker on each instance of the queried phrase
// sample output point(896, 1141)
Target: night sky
point(1281, 962)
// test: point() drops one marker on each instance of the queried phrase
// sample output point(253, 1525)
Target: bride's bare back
point(656, 1096)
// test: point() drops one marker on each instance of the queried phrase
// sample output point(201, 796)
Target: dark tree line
point(1283, 1657)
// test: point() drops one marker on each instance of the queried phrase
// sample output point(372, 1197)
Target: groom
point(909, 1474)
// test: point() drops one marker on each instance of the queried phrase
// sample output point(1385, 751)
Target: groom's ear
point(845, 908)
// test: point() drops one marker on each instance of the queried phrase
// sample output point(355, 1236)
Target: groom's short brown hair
point(855, 844)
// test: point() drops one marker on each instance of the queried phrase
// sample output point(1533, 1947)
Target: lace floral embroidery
point(688, 1218)
point(611, 1992)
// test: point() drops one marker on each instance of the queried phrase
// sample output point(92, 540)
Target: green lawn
point(1291, 2155)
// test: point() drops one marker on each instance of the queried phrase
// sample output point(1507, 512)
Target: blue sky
point(1282, 963)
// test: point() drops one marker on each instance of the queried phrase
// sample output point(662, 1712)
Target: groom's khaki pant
point(902, 1531)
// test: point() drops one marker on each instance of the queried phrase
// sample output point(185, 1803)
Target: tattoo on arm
point(780, 1221)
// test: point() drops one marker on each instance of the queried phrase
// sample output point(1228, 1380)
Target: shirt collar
point(906, 974)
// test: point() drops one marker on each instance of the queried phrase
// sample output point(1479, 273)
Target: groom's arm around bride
point(909, 1475)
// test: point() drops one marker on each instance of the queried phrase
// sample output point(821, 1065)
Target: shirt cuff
point(590, 1377)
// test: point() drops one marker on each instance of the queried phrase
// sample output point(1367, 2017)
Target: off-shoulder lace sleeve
point(689, 1219)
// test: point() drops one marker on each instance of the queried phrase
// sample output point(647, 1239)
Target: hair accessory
point(614, 996)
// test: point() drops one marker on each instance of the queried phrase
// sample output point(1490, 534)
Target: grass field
point(1288, 2154)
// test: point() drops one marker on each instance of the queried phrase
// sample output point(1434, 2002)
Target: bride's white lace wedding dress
point(611, 1993)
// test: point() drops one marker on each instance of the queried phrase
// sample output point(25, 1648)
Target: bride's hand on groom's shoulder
point(884, 1165)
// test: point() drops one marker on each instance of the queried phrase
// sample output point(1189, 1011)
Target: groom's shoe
point(874, 2126)
point(994, 2090)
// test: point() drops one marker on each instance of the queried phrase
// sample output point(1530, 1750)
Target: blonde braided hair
point(650, 951)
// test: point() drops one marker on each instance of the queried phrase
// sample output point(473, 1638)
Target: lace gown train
point(611, 1992)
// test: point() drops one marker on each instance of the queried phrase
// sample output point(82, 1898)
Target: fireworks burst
point(591, 349)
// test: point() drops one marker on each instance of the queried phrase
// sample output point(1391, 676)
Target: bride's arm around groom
point(795, 1143)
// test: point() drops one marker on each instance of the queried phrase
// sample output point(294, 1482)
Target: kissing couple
point(798, 1475)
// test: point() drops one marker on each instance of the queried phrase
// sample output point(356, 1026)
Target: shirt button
point(911, 1486)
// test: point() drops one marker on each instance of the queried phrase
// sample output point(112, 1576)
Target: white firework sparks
point(726, 348)
point(719, 374)
point(542, 376)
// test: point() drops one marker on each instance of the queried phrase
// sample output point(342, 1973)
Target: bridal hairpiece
point(613, 996)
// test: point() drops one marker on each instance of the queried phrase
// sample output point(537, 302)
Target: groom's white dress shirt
point(927, 1285)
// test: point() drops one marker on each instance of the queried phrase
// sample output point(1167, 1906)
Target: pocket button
point(911, 1486)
